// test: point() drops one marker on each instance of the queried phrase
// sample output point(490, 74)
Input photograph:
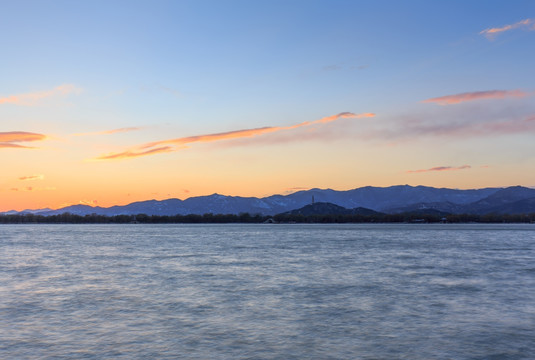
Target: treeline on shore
point(68, 218)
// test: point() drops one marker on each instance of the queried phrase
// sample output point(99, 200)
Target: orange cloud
point(130, 153)
point(342, 115)
point(237, 134)
point(30, 188)
point(32, 177)
point(31, 99)
point(8, 145)
point(88, 202)
point(440, 168)
point(215, 137)
point(109, 132)
point(528, 24)
point(20, 136)
point(10, 139)
point(476, 95)
point(254, 132)
point(121, 130)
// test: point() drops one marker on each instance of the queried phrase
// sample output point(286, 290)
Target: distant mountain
point(216, 204)
point(503, 202)
point(445, 207)
point(393, 199)
point(525, 206)
point(378, 198)
point(426, 212)
point(511, 200)
point(364, 211)
point(27, 211)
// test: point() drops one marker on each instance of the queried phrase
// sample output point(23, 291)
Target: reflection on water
point(267, 291)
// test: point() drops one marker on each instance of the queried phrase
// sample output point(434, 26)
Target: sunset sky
point(111, 102)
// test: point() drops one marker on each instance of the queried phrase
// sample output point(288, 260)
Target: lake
point(297, 291)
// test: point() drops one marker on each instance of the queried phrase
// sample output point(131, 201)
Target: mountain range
point(393, 199)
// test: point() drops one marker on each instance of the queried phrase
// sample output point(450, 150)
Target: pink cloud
point(440, 168)
point(528, 24)
point(31, 99)
point(460, 129)
point(476, 95)
point(12, 138)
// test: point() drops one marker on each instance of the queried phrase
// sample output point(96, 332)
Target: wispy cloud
point(158, 88)
point(170, 90)
point(88, 202)
point(121, 130)
point(334, 67)
point(31, 188)
point(109, 132)
point(452, 125)
point(528, 24)
point(344, 66)
point(440, 168)
point(476, 95)
point(247, 133)
point(33, 98)
point(292, 190)
point(180, 143)
point(456, 123)
point(20, 136)
point(136, 153)
point(91, 203)
point(9, 145)
point(31, 177)
point(12, 139)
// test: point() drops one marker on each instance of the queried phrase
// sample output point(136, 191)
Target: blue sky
point(164, 70)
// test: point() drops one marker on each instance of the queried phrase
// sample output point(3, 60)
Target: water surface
point(267, 291)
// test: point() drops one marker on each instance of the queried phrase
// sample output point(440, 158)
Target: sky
point(111, 102)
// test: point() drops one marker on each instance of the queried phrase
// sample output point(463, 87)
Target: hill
point(324, 208)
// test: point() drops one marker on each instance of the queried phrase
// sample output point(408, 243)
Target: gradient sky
point(110, 102)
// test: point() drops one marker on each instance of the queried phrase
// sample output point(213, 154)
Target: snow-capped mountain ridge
point(384, 199)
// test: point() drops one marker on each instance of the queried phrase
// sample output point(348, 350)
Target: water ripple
point(267, 292)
